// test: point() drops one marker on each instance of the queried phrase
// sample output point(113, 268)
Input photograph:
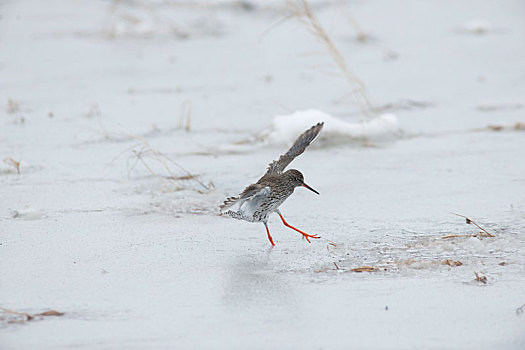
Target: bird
point(259, 200)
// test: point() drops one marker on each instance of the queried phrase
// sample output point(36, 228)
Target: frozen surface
point(103, 99)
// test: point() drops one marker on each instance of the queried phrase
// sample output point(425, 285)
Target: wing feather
point(249, 192)
point(297, 149)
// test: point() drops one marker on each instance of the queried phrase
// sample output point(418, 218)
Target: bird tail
point(228, 203)
point(239, 215)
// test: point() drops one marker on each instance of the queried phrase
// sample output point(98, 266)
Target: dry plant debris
point(365, 269)
point(21, 317)
point(184, 177)
point(50, 313)
point(339, 268)
point(470, 221)
point(452, 262)
point(15, 164)
point(302, 10)
point(143, 151)
point(518, 126)
point(330, 245)
point(461, 236)
point(333, 244)
point(495, 127)
point(480, 278)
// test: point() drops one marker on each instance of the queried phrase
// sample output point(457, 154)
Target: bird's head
point(297, 179)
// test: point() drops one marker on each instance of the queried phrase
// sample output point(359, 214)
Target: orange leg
point(268, 231)
point(305, 235)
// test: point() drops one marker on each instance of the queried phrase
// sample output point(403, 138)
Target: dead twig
point(330, 242)
point(329, 245)
point(365, 269)
point(480, 278)
point(460, 236)
point(29, 317)
point(452, 262)
point(166, 162)
point(469, 221)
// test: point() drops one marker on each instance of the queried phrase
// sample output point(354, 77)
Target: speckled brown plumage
point(264, 197)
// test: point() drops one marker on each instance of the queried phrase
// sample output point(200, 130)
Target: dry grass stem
point(303, 11)
point(29, 317)
point(365, 269)
point(145, 151)
point(469, 221)
point(477, 235)
point(333, 244)
point(518, 126)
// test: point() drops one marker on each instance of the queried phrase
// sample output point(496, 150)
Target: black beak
point(308, 187)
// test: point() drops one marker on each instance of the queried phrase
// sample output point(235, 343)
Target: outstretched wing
point(298, 148)
point(249, 193)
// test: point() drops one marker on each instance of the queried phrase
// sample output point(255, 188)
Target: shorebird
point(264, 197)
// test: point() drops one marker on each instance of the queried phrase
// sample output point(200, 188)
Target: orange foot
point(305, 235)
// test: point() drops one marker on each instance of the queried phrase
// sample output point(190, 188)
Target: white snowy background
point(124, 124)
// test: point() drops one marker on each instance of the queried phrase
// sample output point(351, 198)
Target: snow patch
point(286, 128)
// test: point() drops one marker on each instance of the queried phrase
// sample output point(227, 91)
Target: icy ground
point(140, 259)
